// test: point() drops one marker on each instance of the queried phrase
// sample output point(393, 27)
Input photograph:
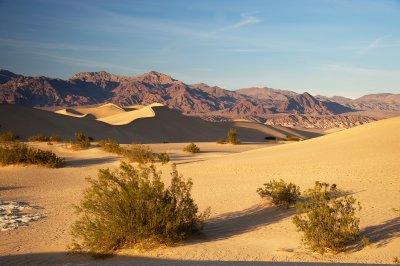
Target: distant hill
point(208, 102)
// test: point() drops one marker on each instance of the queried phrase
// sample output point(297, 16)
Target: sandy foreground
point(243, 229)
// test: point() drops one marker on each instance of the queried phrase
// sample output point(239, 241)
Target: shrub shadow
point(91, 161)
point(381, 234)
point(236, 223)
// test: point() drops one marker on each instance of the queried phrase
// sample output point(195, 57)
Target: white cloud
point(372, 45)
point(246, 20)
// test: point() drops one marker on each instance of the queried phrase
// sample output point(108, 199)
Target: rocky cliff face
point(211, 103)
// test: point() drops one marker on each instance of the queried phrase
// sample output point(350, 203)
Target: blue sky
point(329, 47)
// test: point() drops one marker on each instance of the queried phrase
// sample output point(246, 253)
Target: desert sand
point(242, 229)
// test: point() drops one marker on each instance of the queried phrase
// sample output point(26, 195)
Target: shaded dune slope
point(166, 125)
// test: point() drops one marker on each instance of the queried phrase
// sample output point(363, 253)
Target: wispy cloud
point(246, 20)
point(362, 71)
point(52, 46)
point(372, 45)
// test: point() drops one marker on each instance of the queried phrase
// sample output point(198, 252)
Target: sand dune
point(154, 123)
point(125, 118)
point(364, 161)
point(98, 112)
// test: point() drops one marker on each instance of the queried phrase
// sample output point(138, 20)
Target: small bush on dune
point(81, 142)
point(328, 223)
point(132, 207)
point(44, 138)
point(138, 153)
point(281, 193)
point(8, 137)
point(192, 148)
point(20, 153)
point(270, 138)
point(110, 145)
point(163, 157)
point(232, 136)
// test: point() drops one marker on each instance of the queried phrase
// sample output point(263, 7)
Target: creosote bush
point(132, 207)
point(292, 138)
point(192, 148)
point(8, 137)
point(133, 153)
point(163, 157)
point(138, 153)
point(232, 136)
point(20, 153)
point(44, 138)
point(110, 145)
point(81, 142)
point(281, 193)
point(328, 223)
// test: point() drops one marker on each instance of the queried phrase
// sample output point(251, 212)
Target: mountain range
point(266, 105)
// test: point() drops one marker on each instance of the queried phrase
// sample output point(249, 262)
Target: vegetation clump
point(328, 223)
point(163, 157)
point(110, 145)
point(20, 153)
point(281, 193)
point(139, 153)
point(132, 207)
point(44, 138)
point(232, 136)
point(270, 138)
point(192, 148)
point(8, 137)
point(81, 142)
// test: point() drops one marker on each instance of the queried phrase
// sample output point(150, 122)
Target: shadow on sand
point(236, 223)
point(380, 234)
point(91, 161)
point(65, 259)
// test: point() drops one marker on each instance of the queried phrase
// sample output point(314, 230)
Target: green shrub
point(138, 153)
point(44, 138)
point(281, 194)
point(81, 142)
point(232, 136)
point(221, 141)
point(20, 153)
point(192, 148)
point(328, 223)
point(79, 136)
point(131, 207)
point(111, 145)
point(163, 157)
point(55, 138)
point(8, 137)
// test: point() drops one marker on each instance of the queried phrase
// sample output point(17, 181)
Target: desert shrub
point(132, 207)
point(44, 138)
point(81, 142)
point(396, 260)
point(192, 148)
point(8, 137)
point(110, 145)
point(90, 138)
point(365, 241)
point(232, 136)
point(221, 141)
point(55, 138)
point(327, 222)
point(138, 153)
point(281, 193)
point(163, 157)
point(20, 153)
point(79, 136)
